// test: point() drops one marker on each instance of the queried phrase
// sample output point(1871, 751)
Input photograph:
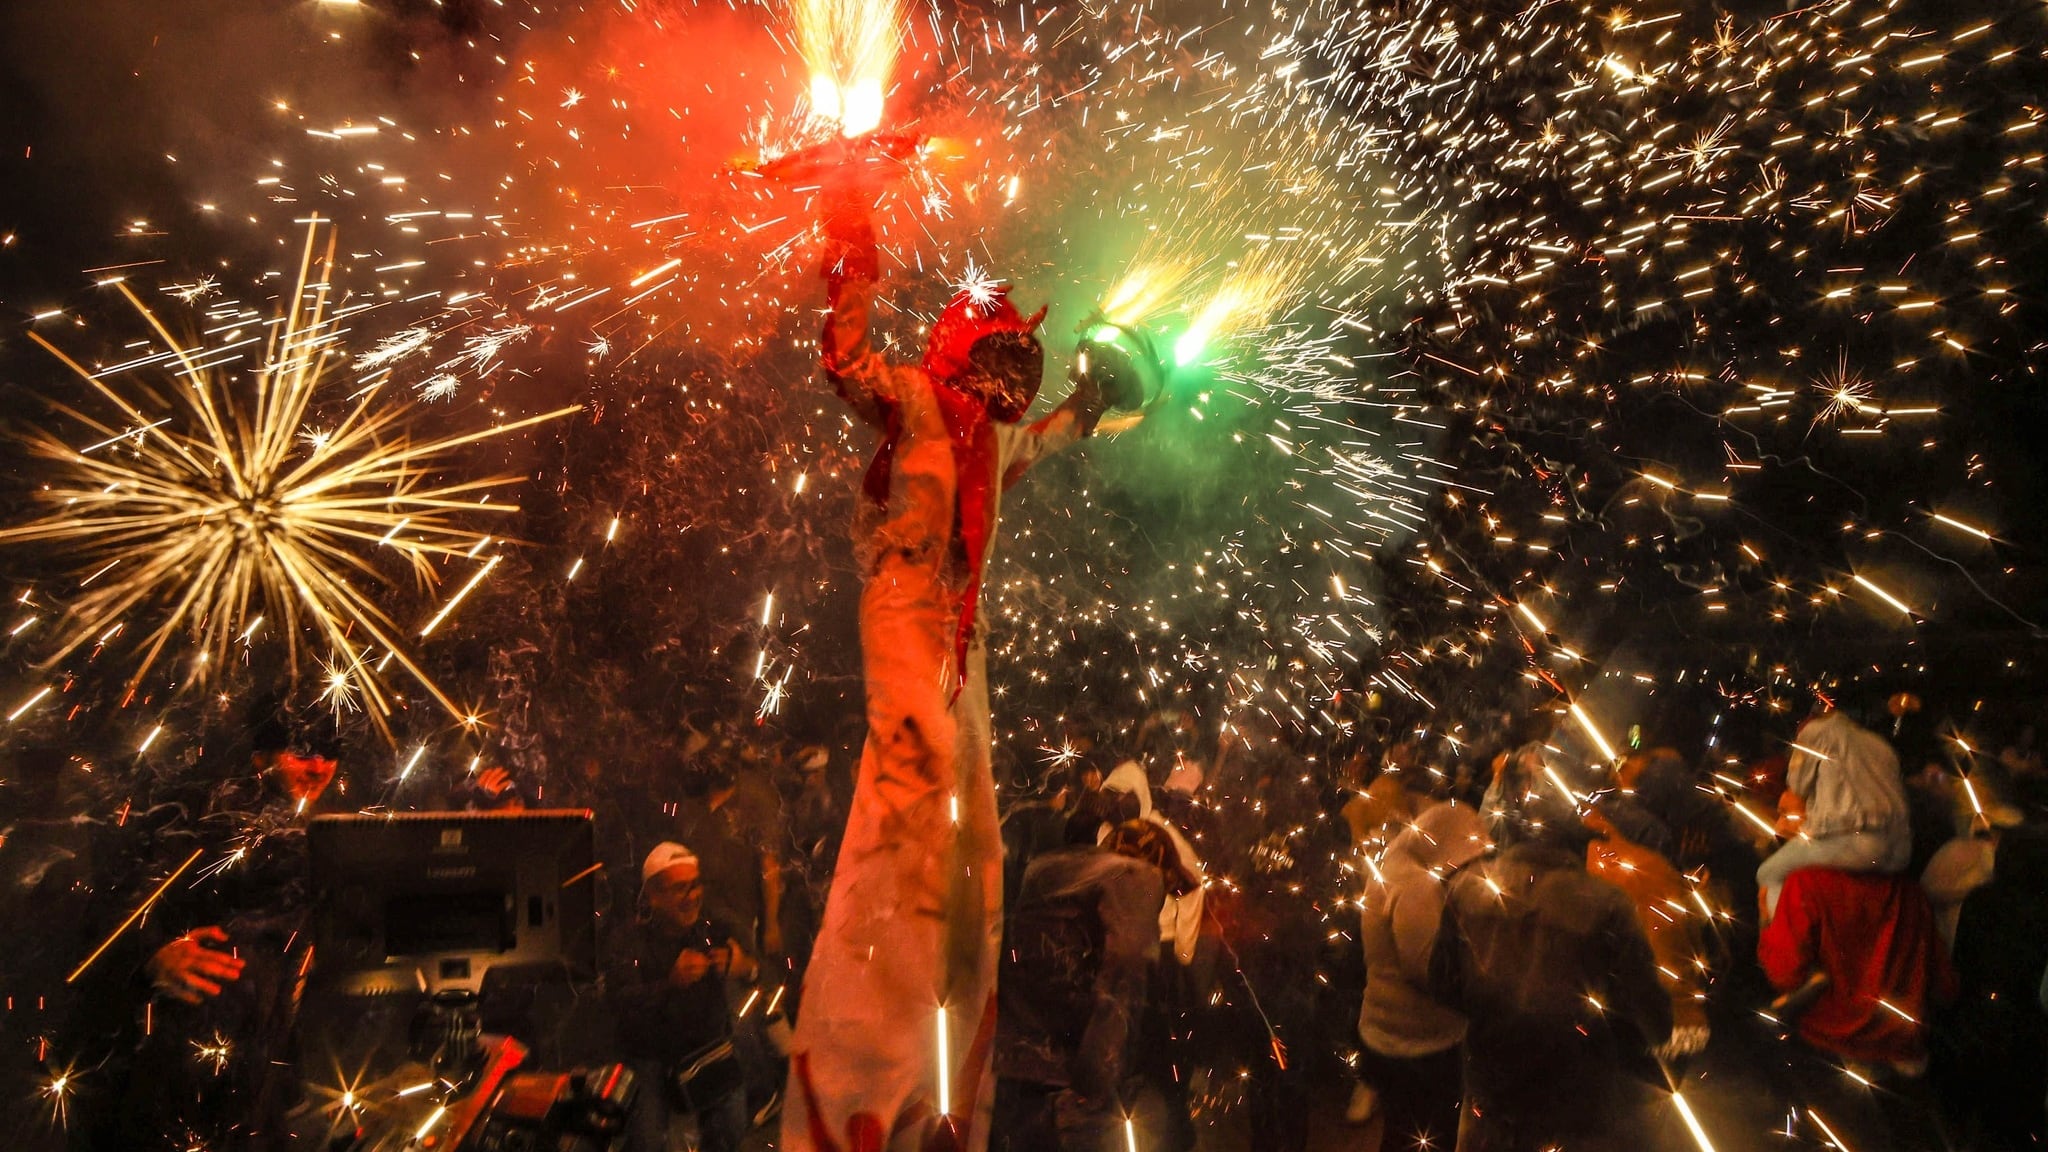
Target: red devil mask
point(1004, 372)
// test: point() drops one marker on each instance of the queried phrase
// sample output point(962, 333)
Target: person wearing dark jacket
point(1081, 942)
point(1998, 1031)
point(675, 1023)
point(208, 982)
point(1557, 982)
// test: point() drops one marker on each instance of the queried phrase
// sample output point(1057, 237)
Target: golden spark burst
point(214, 512)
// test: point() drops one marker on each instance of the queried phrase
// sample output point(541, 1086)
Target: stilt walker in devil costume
point(898, 1014)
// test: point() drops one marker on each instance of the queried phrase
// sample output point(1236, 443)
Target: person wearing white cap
point(675, 1023)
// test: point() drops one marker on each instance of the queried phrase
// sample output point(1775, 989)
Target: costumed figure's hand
point(187, 969)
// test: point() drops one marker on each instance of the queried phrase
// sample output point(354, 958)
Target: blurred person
point(1078, 952)
point(1860, 968)
point(1180, 920)
point(1557, 982)
point(1036, 825)
point(224, 956)
point(1932, 804)
point(1966, 862)
point(674, 1013)
point(1384, 804)
point(1185, 968)
point(1411, 1061)
point(1852, 814)
point(735, 844)
point(1287, 858)
point(1678, 941)
point(731, 817)
point(1997, 1032)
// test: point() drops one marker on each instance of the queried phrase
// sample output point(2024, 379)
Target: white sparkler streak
point(1970, 790)
point(767, 609)
point(1881, 594)
point(28, 704)
point(1586, 722)
point(432, 1119)
point(136, 433)
point(1692, 1122)
point(1827, 1131)
point(1130, 1135)
point(1530, 614)
point(575, 568)
point(1815, 753)
point(1754, 818)
point(945, 1065)
point(132, 917)
point(1958, 524)
point(457, 598)
point(413, 763)
point(150, 739)
point(650, 274)
point(1561, 785)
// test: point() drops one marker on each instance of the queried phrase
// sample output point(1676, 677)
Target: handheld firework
point(1121, 360)
point(837, 158)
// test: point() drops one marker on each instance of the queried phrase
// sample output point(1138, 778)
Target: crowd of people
point(1535, 953)
point(1472, 943)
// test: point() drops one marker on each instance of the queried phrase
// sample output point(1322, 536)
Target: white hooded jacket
point(1180, 919)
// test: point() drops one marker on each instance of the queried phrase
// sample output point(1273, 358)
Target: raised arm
point(851, 267)
point(1076, 417)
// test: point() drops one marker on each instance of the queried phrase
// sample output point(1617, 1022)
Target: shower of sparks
point(439, 386)
point(1451, 275)
point(851, 48)
point(227, 514)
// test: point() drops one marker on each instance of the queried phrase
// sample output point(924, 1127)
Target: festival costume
point(1874, 937)
point(914, 917)
point(1857, 819)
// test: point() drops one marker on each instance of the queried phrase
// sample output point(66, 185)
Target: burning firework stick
point(835, 156)
point(132, 918)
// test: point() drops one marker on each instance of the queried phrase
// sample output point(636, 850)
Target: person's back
point(1873, 936)
point(1400, 916)
point(1081, 937)
point(1559, 987)
point(1080, 944)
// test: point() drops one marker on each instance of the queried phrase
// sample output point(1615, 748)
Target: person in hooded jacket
point(1411, 1057)
point(1855, 816)
point(1551, 970)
